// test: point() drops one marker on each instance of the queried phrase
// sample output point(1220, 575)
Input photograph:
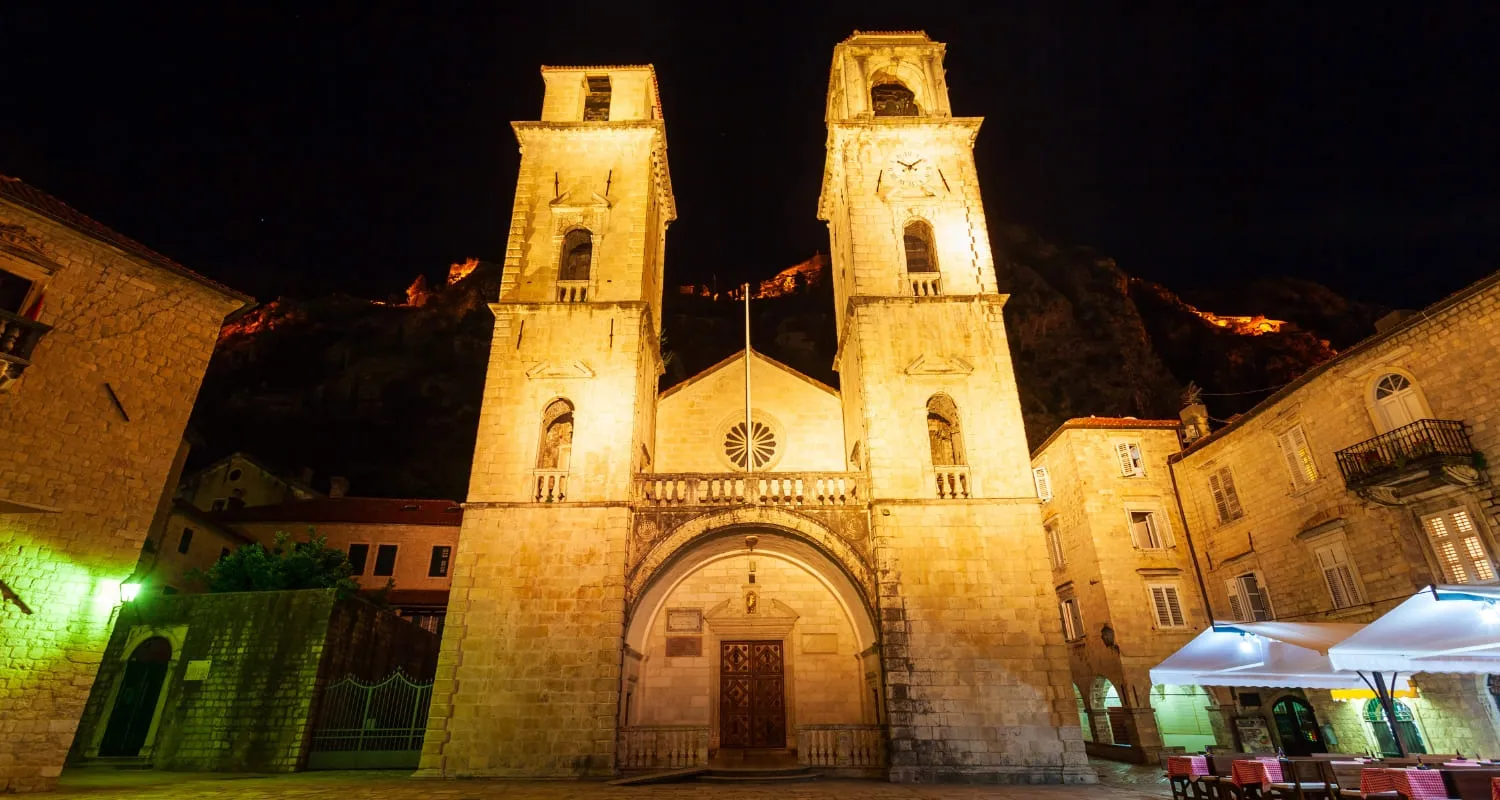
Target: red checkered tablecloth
point(1418, 784)
point(1256, 771)
point(1187, 766)
point(1494, 788)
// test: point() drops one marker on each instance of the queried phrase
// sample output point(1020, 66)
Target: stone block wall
point(90, 472)
point(269, 654)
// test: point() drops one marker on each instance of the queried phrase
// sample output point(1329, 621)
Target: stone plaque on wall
point(820, 643)
point(197, 670)
point(684, 646)
point(684, 620)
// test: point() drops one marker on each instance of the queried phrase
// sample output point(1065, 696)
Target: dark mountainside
point(387, 393)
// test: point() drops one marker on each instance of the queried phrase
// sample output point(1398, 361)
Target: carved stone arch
point(906, 74)
point(801, 538)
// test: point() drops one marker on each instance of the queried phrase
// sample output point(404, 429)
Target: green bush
point(286, 565)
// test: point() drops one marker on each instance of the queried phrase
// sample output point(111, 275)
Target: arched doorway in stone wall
point(1083, 715)
point(135, 703)
point(1108, 713)
point(1182, 716)
point(754, 637)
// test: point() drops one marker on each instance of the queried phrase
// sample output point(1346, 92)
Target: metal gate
point(370, 725)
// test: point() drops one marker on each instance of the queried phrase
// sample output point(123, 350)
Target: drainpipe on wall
point(1187, 534)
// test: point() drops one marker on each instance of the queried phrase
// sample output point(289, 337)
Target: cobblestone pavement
point(387, 786)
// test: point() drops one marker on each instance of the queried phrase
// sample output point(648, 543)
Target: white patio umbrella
point(1282, 654)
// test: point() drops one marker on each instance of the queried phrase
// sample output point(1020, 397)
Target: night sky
point(293, 151)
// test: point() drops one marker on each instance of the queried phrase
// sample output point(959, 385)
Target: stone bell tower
point(976, 677)
point(529, 674)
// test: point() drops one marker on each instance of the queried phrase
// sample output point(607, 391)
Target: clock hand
point(908, 166)
point(918, 161)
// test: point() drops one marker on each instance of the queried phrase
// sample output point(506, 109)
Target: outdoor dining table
point(1256, 771)
point(1418, 784)
point(1187, 766)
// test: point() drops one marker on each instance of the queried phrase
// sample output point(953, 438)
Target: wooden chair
point(1301, 778)
point(1346, 777)
point(1469, 783)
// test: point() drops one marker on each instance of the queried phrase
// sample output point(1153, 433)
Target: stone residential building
point(1127, 590)
point(1348, 490)
point(103, 345)
point(240, 479)
point(858, 576)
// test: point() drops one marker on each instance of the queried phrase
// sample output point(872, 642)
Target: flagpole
point(749, 451)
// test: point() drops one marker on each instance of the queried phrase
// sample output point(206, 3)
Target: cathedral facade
point(859, 576)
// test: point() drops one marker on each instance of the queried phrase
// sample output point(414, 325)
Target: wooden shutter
point(1043, 483)
point(1338, 573)
point(1129, 456)
point(1174, 605)
point(1458, 547)
point(1054, 547)
point(1256, 605)
point(1168, 607)
point(1231, 497)
point(1237, 603)
point(1217, 490)
point(1299, 458)
point(1075, 617)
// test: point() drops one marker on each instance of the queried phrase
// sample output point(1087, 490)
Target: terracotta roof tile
point(30, 197)
point(349, 510)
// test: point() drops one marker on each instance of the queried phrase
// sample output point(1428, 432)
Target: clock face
point(910, 168)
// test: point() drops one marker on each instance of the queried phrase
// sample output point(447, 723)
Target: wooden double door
point(752, 694)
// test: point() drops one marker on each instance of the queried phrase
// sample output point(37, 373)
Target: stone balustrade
point(841, 746)
point(953, 482)
point(793, 489)
point(663, 746)
point(549, 485)
point(925, 284)
point(572, 291)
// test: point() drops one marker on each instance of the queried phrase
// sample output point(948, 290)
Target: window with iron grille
point(596, 103)
point(438, 567)
point(1459, 549)
point(1226, 498)
point(1167, 605)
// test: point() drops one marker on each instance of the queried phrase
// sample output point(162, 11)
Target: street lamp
point(130, 588)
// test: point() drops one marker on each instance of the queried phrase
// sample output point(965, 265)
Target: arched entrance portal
point(750, 633)
point(135, 704)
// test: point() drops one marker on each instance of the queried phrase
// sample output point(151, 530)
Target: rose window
point(761, 447)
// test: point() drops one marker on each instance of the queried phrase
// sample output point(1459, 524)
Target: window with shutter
point(1226, 499)
point(1129, 456)
point(1043, 483)
point(1167, 605)
point(1054, 546)
point(1072, 618)
point(1147, 531)
point(1299, 458)
point(1338, 573)
point(1247, 601)
point(1459, 550)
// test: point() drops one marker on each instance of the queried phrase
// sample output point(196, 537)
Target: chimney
point(338, 486)
point(305, 475)
point(1194, 418)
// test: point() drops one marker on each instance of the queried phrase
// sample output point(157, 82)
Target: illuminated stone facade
point(900, 597)
point(88, 436)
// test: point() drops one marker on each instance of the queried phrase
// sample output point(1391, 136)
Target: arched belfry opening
point(944, 432)
point(557, 436)
point(577, 256)
point(917, 238)
point(891, 98)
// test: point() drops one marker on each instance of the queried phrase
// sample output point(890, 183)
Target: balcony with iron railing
point(18, 337)
point(1425, 448)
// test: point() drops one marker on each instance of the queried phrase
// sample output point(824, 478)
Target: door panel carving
point(752, 695)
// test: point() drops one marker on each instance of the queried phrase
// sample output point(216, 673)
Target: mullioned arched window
point(557, 435)
point(944, 433)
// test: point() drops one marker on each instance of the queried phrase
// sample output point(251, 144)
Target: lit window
point(1299, 458)
point(1459, 550)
